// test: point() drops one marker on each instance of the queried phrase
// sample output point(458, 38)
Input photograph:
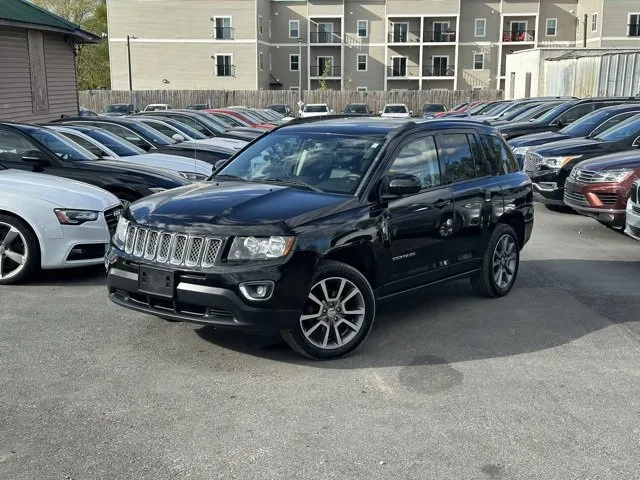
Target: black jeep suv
point(303, 230)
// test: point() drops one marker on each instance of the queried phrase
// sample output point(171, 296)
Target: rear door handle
point(442, 203)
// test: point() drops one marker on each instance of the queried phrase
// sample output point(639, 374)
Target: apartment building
point(346, 44)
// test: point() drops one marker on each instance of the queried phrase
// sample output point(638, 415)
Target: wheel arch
point(516, 221)
point(29, 223)
point(359, 256)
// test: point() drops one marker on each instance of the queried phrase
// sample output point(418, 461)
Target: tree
point(326, 71)
point(92, 60)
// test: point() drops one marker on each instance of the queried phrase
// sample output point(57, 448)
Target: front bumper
point(548, 187)
point(79, 245)
point(633, 220)
point(213, 297)
point(605, 202)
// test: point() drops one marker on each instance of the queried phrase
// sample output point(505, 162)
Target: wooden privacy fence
point(97, 100)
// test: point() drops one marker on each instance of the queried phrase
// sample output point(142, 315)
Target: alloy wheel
point(13, 251)
point(333, 314)
point(504, 261)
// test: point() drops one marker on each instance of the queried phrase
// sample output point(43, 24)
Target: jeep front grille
point(175, 248)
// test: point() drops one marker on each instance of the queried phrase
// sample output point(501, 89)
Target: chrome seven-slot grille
point(581, 175)
point(532, 162)
point(173, 248)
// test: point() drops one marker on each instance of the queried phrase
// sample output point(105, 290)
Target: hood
point(234, 208)
point(524, 127)
point(60, 191)
point(536, 139)
point(223, 142)
point(120, 166)
point(571, 146)
point(613, 161)
point(174, 163)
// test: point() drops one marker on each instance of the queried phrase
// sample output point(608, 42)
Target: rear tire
point(19, 250)
point(499, 264)
point(337, 316)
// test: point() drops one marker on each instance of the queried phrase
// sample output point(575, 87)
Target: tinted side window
point(458, 158)
point(500, 158)
point(122, 132)
point(612, 122)
point(419, 157)
point(13, 146)
point(85, 144)
point(478, 160)
point(574, 113)
point(190, 122)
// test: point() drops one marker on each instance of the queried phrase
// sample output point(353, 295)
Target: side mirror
point(35, 157)
point(402, 184)
point(218, 165)
point(410, 112)
point(178, 138)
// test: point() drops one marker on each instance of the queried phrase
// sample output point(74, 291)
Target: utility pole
point(300, 73)
point(131, 100)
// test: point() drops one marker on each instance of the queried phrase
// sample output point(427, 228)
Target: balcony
point(403, 72)
point(225, 70)
point(324, 38)
point(439, 36)
point(519, 36)
point(317, 71)
point(438, 72)
point(404, 37)
point(223, 33)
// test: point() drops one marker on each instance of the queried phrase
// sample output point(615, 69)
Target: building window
point(224, 65)
point(260, 25)
point(223, 29)
point(361, 89)
point(269, 28)
point(480, 27)
point(634, 24)
point(294, 62)
point(363, 28)
point(594, 22)
point(552, 27)
point(362, 62)
point(270, 63)
point(294, 28)
point(478, 61)
point(261, 61)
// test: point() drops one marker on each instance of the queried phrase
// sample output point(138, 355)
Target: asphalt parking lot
point(542, 384)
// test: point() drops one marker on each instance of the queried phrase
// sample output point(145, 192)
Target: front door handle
point(442, 203)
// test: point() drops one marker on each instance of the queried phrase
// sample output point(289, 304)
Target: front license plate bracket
point(154, 281)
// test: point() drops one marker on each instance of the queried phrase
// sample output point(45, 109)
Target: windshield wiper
point(225, 176)
point(292, 182)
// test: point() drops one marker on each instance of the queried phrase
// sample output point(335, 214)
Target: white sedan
point(51, 222)
point(106, 145)
point(395, 110)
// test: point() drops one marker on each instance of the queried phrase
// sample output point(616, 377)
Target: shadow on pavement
point(553, 302)
point(81, 277)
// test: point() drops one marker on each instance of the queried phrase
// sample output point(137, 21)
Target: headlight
point(558, 162)
point(75, 217)
point(521, 151)
point(259, 248)
point(157, 189)
point(120, 235)
point(612, 175)
point(194, 177)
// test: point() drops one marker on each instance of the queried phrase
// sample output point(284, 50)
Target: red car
point(599, 187)
point(457, 110)
point(247, 118)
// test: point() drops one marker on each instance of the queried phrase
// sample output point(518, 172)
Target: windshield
point(554, 112)
point(278, 108)
point(395, 109)
point(316, 108)
point(356, 108)
point(498, 109)
point(228, 120)
point(151, 133)
point(191, 132)
point(329, 162)
point(117, 108)
point(433, 107)
point(586, 124)
point(628, 128)
point(61, 146)
point(153, 108)
point(163, 128)
point(514, 112)
point(118, 145)
point(534, 112)
point(481, 108)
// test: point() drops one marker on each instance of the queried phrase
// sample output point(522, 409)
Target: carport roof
point(20, 13)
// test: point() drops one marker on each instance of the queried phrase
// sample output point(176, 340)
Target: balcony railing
point(403, 72)
point(223, 33)
point(437, 72)
point(325, 37)
point(318, 71)
point(404, 37)
point(439, 36)
point(519, 36)
point(225, 70)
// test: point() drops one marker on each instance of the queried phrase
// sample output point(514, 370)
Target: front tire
point(337, 316)
point(19, 251)
point(499, 264)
